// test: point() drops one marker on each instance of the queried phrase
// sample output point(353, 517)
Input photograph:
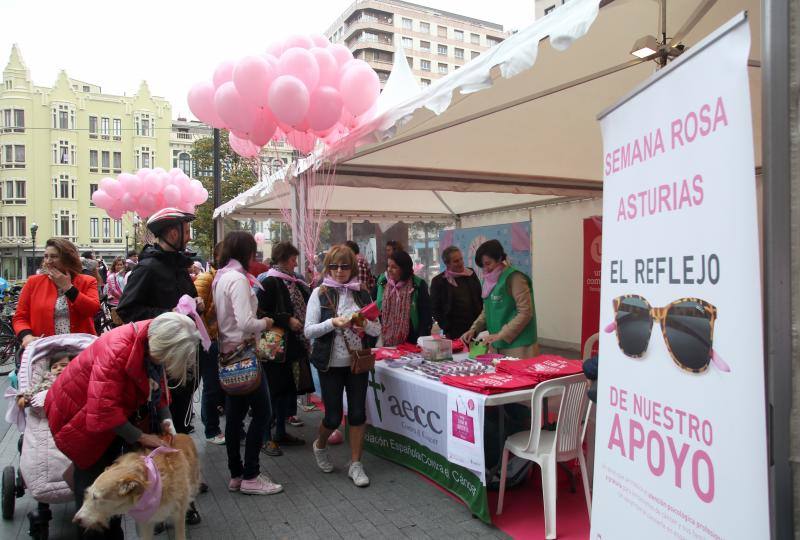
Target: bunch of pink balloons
point(303, 88)
point(148, 191)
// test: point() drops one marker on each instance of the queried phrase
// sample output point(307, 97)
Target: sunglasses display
point(333, 267)
point(687, 325)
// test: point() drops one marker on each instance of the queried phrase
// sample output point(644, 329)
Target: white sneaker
point(323, 460)
point(356, 472)
point(218, 439)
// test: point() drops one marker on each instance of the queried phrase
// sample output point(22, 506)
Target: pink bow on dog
point(188, 306)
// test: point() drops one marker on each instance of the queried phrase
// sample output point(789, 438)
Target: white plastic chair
point(547, 448)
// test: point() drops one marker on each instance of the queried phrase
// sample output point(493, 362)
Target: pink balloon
point(101, 199)
point(328, 67)
point(160, 170)
point(201, 103)
point(319, 40)
point(131, 183)
point(300, 63)
point(325, 108)
point(115, 213)
point(172, 195)
point(263, 129)
point(304, 142)
point(147, 204)
point(252, 77)
point(299, 41)
point(128, 202)
point(186, 207)
point(200, 195)
point(223, 73)
point(288, 99)
point(360, 87)
point(144, 171)
point(204, 193)
point(243, 147)
point(341, 53)
point(153, 183)
point(348, 119)
point(276, 49)
point(112, 187)
point(232, 109)
point(279, 134)
point(174, 171)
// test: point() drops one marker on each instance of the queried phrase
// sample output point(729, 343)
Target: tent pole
point(778, 254)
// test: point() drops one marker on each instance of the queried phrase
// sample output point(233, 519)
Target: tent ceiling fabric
point(548, 147)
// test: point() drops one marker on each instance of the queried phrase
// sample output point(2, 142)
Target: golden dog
point(121, 485)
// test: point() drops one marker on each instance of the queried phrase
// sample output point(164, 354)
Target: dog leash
point(150, 500)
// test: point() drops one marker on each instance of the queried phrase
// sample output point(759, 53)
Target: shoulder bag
point(240, 371)
point(271, 345)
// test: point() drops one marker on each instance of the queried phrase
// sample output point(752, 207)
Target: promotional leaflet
point(681, 446)
point(465, 429)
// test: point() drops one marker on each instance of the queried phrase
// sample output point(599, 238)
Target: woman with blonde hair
point(331, 324)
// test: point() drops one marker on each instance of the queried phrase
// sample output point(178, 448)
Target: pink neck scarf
point(490, 280)
point(274, 272)
point(451, 276)
point(354, 285)
point(150, 500)
point(187, 306)
point(235, 266)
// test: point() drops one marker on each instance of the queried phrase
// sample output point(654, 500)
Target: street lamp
point(34, 228)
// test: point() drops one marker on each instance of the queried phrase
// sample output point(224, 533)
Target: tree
point(238, 174)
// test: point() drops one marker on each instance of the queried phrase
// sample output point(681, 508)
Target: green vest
point(499, 308)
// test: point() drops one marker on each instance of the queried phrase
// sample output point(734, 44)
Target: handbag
point(240, 371)
point(361, 360)
point(271, 345)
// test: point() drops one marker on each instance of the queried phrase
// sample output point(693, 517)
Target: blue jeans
point(213, 395)
point(236, 408)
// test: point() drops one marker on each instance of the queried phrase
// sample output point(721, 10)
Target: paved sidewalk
point(398, 504)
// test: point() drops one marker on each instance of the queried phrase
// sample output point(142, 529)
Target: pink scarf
point(150, 500)
point(354, 285)
point(274, 272)
point(451, 276)
point(235, 266)
point(490, 280)
point(396, 312)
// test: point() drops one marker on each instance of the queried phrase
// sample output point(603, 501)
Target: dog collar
point(150, 500)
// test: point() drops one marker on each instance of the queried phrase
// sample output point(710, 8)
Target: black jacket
point(276, 303)
point(455, 323)
point(155, 285)
point(322, 347)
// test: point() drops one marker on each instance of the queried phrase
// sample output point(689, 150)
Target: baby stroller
point(42, 466)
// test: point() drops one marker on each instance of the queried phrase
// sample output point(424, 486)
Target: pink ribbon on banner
point(188, 306)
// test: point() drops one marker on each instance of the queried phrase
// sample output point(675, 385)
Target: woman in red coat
point(116, 392)
point(60, 300)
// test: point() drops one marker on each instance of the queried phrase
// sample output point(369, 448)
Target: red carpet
point(523, 511)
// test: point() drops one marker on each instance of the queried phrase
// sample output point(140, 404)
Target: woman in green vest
point(508, 313)
point(403, 301)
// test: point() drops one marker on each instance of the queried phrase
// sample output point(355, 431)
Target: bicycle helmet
point(166, 218)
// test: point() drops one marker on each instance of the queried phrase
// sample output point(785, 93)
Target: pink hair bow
point(188, 306)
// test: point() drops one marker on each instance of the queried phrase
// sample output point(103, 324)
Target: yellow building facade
point(56, 144)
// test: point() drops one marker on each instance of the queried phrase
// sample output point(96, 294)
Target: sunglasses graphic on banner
point(687, 325)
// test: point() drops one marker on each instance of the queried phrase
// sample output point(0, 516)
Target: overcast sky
point(173, 43)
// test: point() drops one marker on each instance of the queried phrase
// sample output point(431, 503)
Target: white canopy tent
point(479, 148)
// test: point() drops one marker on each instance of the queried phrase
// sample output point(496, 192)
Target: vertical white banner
point(681, 435)
point(465, 411)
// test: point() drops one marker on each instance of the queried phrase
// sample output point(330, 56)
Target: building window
point(10, 226)
point(22, 225)
point(408, 43)
point(406, 24)
point(425, 46)
point(61, 190)
point(105, 160)
point(117, 161)
point(117, 228)
point(106, 227)
point(425, 65)
point(14, 192)
point(92, 189)
point(425, 82)
point(14, 156)
point(549, 10)
point(185, 163)
point(441, 50)
point(63, 118)
point(92, 127)
point(61, 153)
point(94, 228)
point(492, 41)
point(473, 55)
point(424, 28)
point(14, 120)
point(459, 53)
point(117, 129)
point(441, 31)
point(458, 35)
point(73, 189)
point(104, 125)
point(63, 223)
point(475, 39)
point(442, 68)
point(93, 161)
point(144, 125)
point(146, 157)
point(410, 62)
